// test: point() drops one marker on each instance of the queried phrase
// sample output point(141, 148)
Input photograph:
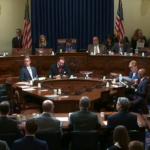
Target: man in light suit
point(3, 145)
point(46, 121)
point(140, 90)
point(84, 120)
point(17, 41)
point(29, 142)
point(96, 47)
point(59, 69)
point(27, 72)
point(120, 47)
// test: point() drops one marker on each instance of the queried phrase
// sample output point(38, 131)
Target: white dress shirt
point(96, 49)
point(30, 72)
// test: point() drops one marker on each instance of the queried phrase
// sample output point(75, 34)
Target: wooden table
point(146, 120)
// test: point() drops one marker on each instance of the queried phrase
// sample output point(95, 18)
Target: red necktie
point(59, 69)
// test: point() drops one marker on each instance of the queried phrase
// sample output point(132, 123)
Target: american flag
point(119, 27)
point(27, 41)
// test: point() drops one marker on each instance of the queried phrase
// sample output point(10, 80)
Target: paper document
point(42, 78)
point(22, 83)
point(62, 118)
point(105, 122)
point(29, 89)
point(24, 86)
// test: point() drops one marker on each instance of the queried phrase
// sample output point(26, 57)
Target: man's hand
point(112, 53)
point(58, 76)
point(132, 87)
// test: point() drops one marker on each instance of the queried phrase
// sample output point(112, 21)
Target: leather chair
point(24, 107)
point(61, 41)
point(21, 51)
point(53, 138)
point(43, 51)
point(84, 140)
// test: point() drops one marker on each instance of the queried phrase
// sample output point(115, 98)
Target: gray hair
point(85, 101)
point(124, 102)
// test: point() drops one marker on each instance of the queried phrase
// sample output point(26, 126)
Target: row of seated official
point(56, 70)
point(46, 122)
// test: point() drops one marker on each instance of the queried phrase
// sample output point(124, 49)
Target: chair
point(22, 106)
point(61, 41)
point(9, 138)
point(21, 51)
point(84, 140)
point(113, 75)
point(43, 51)
point(53, 138)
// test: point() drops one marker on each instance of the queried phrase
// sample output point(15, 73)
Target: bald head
point(47, 106)
point(95, 40)
point(141, 73)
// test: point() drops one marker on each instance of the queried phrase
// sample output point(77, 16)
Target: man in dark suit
point(97, 48)
point(84, 120)
point(29, 142)
point(123, 117)
point(8, 125)
point(46, 121)
point(59, 69)
point(27, 72)
point(3, 145)
point(17, 41)
point(121, 47)
point(65, 47)
point(140, 90)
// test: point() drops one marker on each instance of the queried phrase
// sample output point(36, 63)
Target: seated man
point(140, 90)
point(67, 46)
point(29, 142)
point(123, 117)
point(8, 125)
point(3, 145)
point(136, 145)
point(120, 47)
point(59, 69)
point(27, 72)
point(17, 41)
point(84, 120)
point(96, 47)
point(46, 121)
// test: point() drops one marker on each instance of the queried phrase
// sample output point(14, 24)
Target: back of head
point(136, 145)
point(124, 102)
point(122, 41)
point(85, 102)
point(143, 72)
point(4, 108)
point(31, 126)
point(121, 136)
point(47, 106)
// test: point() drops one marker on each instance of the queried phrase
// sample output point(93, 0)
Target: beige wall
point(136, 15)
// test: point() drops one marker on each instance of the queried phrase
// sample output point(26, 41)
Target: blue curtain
point(80, 19)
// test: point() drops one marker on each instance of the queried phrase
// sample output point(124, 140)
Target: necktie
point(30, 72)
point(19, 42)
point(59, 69)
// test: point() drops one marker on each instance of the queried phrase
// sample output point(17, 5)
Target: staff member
point(27, 72)
point(59, 69)
point(42, 43)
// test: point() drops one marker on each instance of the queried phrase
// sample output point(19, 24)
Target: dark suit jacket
point(24, 74)
point(29, 143)
point(8, 125)
point(3, 145)
point(15, 42)
point(53, 70)
point(84, 120)
point(47, 122)
point(114, 148)
point(124, 118)
point(101, 47)
point(116, 48)
point(63, 47)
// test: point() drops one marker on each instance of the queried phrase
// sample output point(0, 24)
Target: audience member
point(123, 117)
point(138, 37)
point(42, 43)
point(121, 47)
point(8, 125)
point(120, 138)
point(84, 120)
point(46, 121)
point(17, 41)
point(140, 90)
point(96, 47)
point(136, 145)
point(3, 145)
point(65, 47)
point(27, 72)
point(29, 142)
point(59, 69)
